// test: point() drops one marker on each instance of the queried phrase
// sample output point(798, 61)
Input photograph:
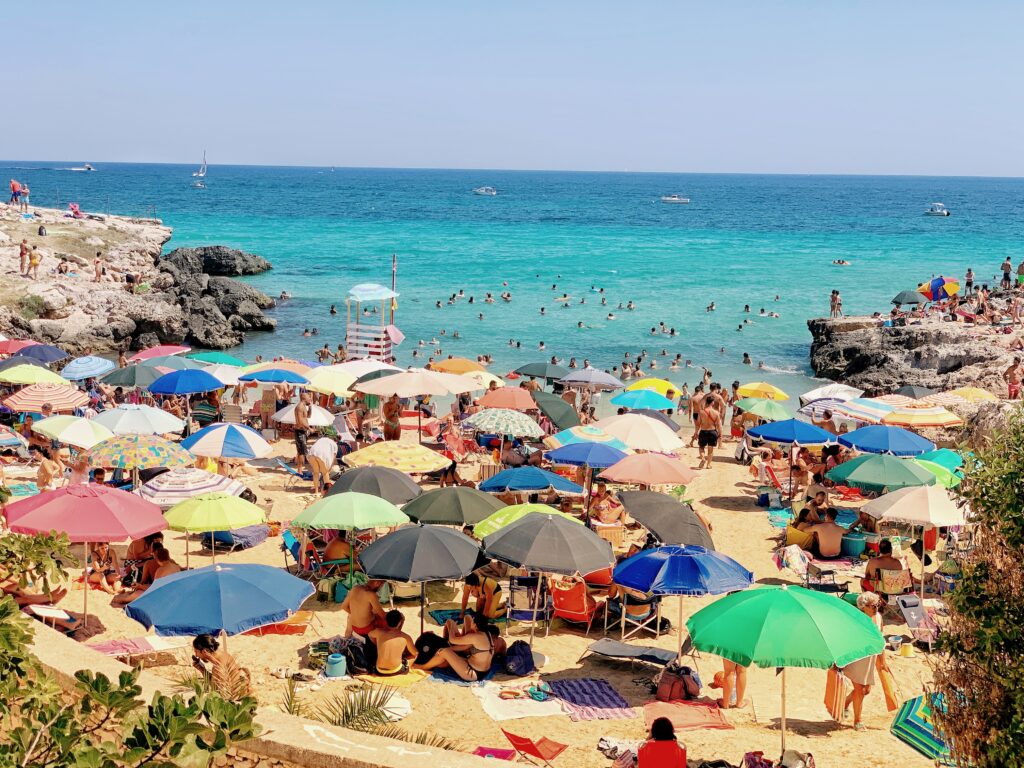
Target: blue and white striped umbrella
point(228, 441)
point(87, 367)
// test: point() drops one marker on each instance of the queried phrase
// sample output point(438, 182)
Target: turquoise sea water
point(742, 240)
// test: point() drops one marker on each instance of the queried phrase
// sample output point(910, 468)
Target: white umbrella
point(841, 392)
point(641, 433)
point(227, 374)
point(318, 417)
point(591, 378)
point(72, 430)
point(419, 381)
point(139, 420)
point(177, 485)
point(929, 506)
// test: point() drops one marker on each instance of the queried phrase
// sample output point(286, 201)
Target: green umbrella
point(562, 415)
point(213, 512)
point(769, 410)
point(785, 626)
point(350, 511)
point(943, 476)
point(548, 371)
point(456, 505)
point(505, 421)
point(944, 457)
point(875, 472)
point(509, 515)
point(133, 376)
point(217, 358)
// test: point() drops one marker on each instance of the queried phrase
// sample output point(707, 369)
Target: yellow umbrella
point(280, 365)
point(936, 416)
point(762, 389)
point(974, 394)
point(331, 380)
point(484, 378)
point(31, 374)
point(410, 458)
point(456, 365)
point(661, 386)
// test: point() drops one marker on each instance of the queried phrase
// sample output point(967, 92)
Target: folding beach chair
point(629, 626)
point(824, 580)
point(893, 583)
point(544, 749)
point(291, 546)
point(573, 604)
point(232, 414)
point(320, 568)
point(922, 625)
point(528, 600)
point(293, 476)
point(784, 487)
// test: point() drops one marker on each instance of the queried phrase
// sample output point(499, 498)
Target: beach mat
point(687, 715)
point(448, 676)
point(500, 709)
point(441, 615)
point(411, 677)
point(23, 489)
point(589, 699)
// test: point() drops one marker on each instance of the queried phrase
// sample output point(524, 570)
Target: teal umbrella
point(876, 472)
point(944, 457)
point(214, 357)
point(562, 415)
point(914, 724)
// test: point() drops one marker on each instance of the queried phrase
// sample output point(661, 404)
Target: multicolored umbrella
point(72, 430)
point(454, 505)
point(178, 485)
point(528, 479)
point(864, 409)
point(31, 399)
point(816, 408)
point(935, 416)
point(880, 438)
point(878, 472)
point(661, 386)
point(158, 351)
point(186, 382)
point(127, 419)
point(216, 358)
point(914, 724)
point(228, 441)
point(11, 439)
point(502, 421)
point(948, 398)
point(762, 389)
point(769, 410)
point(939, 288)
point(514, 398)
point(642, 398)
point(87, 367)
point(350, 511)
point(584, 434)
point(641, 433)
point(457, 365)
point(508, 515)
point(139, 452)
point(649, 469)
point(280, 365)
point(30, 373)
point(410, 458)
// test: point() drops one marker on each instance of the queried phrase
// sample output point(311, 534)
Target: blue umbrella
point(44, 353)
point(528, 479)
point(185, 382)
point(233, 598)
point(879, 438)
point(275, 376)
point(233, 441)
point(599, 455)
point(792, 431)
point(87, 367)
point(643, 398)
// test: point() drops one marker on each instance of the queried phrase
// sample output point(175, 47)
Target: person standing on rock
point(1013, 377)
point(24, 200)
point(23, 250)
point(34, 259)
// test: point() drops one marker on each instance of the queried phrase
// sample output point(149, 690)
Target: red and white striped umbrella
point(32, 398)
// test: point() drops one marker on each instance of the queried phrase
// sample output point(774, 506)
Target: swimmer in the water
point(434, 341)
point(630, 305)
point(739, 327)
point(456, 334)
point(480, 316)
point(760, 364)
point(285, 296)
point(604, 302)
point(541, 346)
point(710, 307)
point(542, 310)
point(438, 304)
point(333, 310)
point(746, 308)
point(762, 312)
point(579, 324)
point(306, 332)
point(444, 332)
point(746, 359)
point(610, 316)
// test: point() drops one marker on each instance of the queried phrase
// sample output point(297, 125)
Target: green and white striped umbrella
point(504, 421)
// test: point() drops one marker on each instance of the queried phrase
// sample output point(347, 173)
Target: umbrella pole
point(186, 551)
point(681, 629)
point(213, 547)
point(783, 711)
point(590, 492)
point(533, 622)
point(423, 604)
point(85, 582)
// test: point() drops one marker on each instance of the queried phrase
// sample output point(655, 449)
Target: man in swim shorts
point(393, 646)
point(364, 610)
point(709, 430)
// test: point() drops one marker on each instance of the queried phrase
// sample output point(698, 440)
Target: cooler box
point(853, 545)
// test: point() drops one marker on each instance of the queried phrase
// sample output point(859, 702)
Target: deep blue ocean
point(743, 240)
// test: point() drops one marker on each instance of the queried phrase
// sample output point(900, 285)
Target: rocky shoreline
point(187, 296)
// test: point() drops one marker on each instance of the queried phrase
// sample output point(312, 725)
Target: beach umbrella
point(528, 479)
point(683, 571)
point(484, 378)
point(331, 380)
point(584, 434)
point(592, 379)
point(134, 376)
point(641, 433)
point(908, 297)
point(515, 398)
point(11, 439)
point(503, 421)
point(914, 724)
point(508, 515)
point(72, 430)
point(209, 512)
point(350, 511)
point(384, 482)
point(275, 376)
point(879, 438)
point(456, 365)
point(411, 458)
point(841, 392)
point(421, 553)
point(215, 357)
point(864, 409)
point(31, 373)
point(185, 382)
point(562, 415)
point(935, 416)
point(939, 288)
point(914, 391)
point(173, 363)
point(454, 505)
point(228, 441)
point(667, 518)
point(177, 485)
point(44, 353)
point(158, 351)
point(929, 506)
point(944, 457)
point(792, 432)
point(661, 386)
point(591, 455)
point(362, 366)
point(762, 389)
point(974, 394)
point(643, 398)
point(31, 399)
point(649, 469)
point(895, 400)
point(946, 478)
point(946, 399)
point(139, 452)
point(769, 410)
point(10, 346)
point(418, 381)
point(129, 419)
point(659, 416)
point(817, 408)
point(548, 371)
point(318, 417)
point(230, 598)
point(11, 362)
point(785, 626)
point(87, 367)
point(294, 366)
point(878, 472)
point(225, 374)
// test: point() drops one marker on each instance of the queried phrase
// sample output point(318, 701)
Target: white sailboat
point(201, 173)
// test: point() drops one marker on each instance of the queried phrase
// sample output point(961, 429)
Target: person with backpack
point(662, 750)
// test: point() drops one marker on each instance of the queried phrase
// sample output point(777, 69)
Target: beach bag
point(519, 659)
point(757, 760)
point(325, 589)
point(355, 658)
point(677, 683)
point(793, 759)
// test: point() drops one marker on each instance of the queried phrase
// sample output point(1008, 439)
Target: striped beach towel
point(588, 699)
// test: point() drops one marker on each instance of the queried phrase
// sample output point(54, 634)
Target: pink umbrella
point(516, 398)
point(649, 469)
point(10, 346)
point(158, 351)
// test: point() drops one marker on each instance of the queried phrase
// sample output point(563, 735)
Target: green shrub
point(31, 307)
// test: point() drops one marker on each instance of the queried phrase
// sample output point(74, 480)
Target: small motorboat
point(677, 199)
point(937, 209)
point(85, 167)
point(485, 191)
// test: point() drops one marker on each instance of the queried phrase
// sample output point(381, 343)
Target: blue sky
point(773, 86)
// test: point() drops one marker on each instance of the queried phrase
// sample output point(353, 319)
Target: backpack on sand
point(677, 683)
point(519, 659)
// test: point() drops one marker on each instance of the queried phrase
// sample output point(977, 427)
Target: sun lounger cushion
point(616, 650)
point(240, 538)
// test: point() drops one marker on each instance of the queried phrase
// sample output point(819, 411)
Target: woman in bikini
point(106, 571)
point(469, 653)
point(487, 592)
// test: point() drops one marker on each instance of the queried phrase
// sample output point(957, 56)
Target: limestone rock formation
point(220, 260)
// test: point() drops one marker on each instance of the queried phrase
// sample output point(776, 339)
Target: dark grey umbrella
point(671, 521)
point(908, 297)
point(456, 505)
point(562, 414)
point(914, 391)
point(548, 371)
point(383, 482)
point(21, 360)
point(664, 418)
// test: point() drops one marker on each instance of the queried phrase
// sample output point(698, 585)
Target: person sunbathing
point(161, 565)
point(487, 591)
point(469, 654)
point(828, 536)
point(9, 586)
point(606, 508)
point(638, 606)
point(393, 646)
point(365, 613)
point(214, 662)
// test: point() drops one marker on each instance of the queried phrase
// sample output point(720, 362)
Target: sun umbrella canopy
point(936, 416)
point(275, 376)
point(909, 297)
point(816, 408)
point(44, 353)
point(914, 392)
point(945, 399)
point(914, 724)
point(643, 398)
point(158, 351)
point(10, 346)
point(225, 374)
point(671, 521)
point(86, 513)
point(974, 394)
point(943, 477)
point(840, 392)
point(597, 455)
point(661, 386)
point(72, 430)
point(11, 439)
point(318, 417)
point(879, 438)
point(172, 363)
point(674, 570)
point(456, 365)
point(484, 378)
point(350, 511)
point(591, 378)
point(929, 506)
point(134, 376)
point(549, 543)
point(384, 482)
point(421, 553)
point(455, 505)
point(649, 469)
point(584, 434)
point(139, 452)
point(548, 371)
point(410, 458)
point(562, 415)
point(792, 431)
point(362, 366)
point(641, 433)
point(418, 381)
point(659, 416)
point(762, 389)
point(31, 373)
point(514, 398)
point(230, 598)
point(769, 410)
point(508, 515)
point(528, 479)
point(185, 382)
point(213, 512)
point(864, 409)
point(294, 366)
point(331, 380)
point(177, 485)
point(944, 457)
point(32, 398)
point(139, 420)
point(939, 288)
point(877, 472)
point(235, 441)
point(214, 357)
point(87, 367)
point(12, 362)
point(503, 421)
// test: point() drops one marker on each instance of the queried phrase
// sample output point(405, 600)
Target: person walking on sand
point(392, 415)
point(709, 426)
point(1013, 377)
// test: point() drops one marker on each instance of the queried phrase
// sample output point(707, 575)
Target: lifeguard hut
point(370, 330)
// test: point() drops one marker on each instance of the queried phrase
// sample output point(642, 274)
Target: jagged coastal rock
point(188, 295)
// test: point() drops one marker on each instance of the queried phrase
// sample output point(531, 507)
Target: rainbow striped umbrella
point(864, 409)
point(584, 434)
point(32, 399)
point(139, 452)
point(939, 288)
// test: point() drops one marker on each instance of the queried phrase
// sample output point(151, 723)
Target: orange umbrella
point(31, 399)
point(457, 365)
point(516, 398)
point(649, 469)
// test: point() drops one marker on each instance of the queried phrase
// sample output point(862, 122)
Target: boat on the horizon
point(85, 167)
point(485, 191)
point(201, 173)
point(677, 199)
point(937, 209)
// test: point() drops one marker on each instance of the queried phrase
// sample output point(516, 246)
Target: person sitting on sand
point(50, 471)
point(606, 509)
point(140, 552)
point(803, 521)
point(828, 536)
point(105, 572)
point(469, 654)
point(487, 591)
point(9, 586)
point(662, 750)
point(392, 646)
point(206, 650)
point(817, 505)
point(362, 604)
point(161, 565)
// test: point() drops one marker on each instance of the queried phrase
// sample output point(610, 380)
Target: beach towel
point(448, 676)
point(411, 677)
point(588, 699)
point(495, 753)
point(138, 646)
point(441, 615)
point(500, 709)
point(687, 715)
point(23, 489)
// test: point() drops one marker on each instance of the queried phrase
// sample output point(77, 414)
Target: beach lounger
point(892, 583)
point(544, 749)
point(613, 649)
point(240, 538)
point(293, 476)
point(132, 648)
point(922, 625)
point(296, 624)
